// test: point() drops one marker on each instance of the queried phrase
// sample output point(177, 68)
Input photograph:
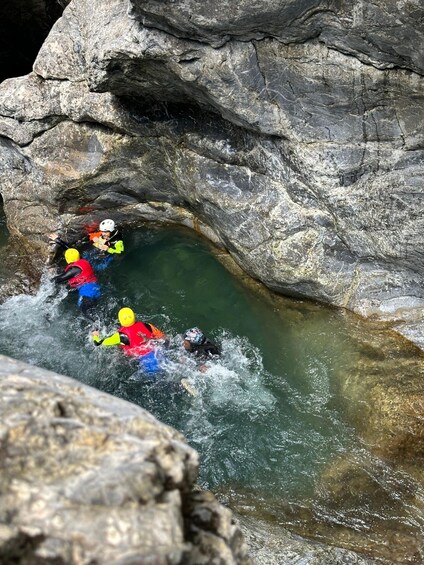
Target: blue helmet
point(194, 336)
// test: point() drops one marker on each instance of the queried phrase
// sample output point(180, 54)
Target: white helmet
point(107, 225)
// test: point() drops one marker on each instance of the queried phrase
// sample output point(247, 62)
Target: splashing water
point(266, 415)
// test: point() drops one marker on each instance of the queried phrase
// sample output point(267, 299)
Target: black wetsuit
point(205, 349)
point(86, 303)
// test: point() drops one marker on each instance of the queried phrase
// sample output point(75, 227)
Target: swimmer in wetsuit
point(136, 339)
point(107, 243)
point(80, 275)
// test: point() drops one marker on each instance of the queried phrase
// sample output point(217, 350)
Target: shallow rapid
point(267, 417)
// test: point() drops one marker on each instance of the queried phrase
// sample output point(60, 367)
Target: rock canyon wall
point(290, 133)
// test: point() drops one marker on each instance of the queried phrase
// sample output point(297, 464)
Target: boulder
point(87, 477)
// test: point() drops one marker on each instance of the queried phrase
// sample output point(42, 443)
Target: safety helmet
point(194, 336)
point(71, 255)
point(126, 317)
point(107, 225)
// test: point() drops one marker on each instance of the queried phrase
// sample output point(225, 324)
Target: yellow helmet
point(126, 317)
point(71, 255)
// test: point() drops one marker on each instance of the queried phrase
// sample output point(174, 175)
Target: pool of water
point(268, 417)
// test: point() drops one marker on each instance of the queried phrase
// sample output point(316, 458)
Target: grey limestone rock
point(89, 478)
point(291, 133)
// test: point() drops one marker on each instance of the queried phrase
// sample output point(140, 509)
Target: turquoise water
point(268, 392)
point(268, 416)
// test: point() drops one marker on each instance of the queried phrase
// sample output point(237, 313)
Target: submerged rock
point(383, 392)
point(357, 485)
point(269, 543)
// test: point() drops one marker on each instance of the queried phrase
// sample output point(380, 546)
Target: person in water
point(79, 274)
point(198, 344)
point(108, 241)
point(136, 339)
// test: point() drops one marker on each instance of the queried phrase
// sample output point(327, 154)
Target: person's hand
point(104, 247)
point(95, 333)
point(203, 368)
point(53, 236)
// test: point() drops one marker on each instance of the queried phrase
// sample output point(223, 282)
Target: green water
point(268, 417)
point(263, 415)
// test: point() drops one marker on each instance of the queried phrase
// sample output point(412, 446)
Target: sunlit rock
point(294, 138)
point(88, 477)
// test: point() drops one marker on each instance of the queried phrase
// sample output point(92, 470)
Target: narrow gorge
point(289, 135)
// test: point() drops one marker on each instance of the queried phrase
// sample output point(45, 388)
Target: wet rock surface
point(272, 544)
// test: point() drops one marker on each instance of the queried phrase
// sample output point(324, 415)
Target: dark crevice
point(24, 25)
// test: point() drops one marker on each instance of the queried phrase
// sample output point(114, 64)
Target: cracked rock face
point(290, 134)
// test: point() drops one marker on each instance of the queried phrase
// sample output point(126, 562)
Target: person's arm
point(114, 339)
point(66, 275)
point(117, 247)
point(54, 238)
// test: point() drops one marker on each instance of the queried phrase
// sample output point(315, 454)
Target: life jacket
point(86, 275)
point(94, 234)
point(139, 335)
point(100, 241)
point(114, 238)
